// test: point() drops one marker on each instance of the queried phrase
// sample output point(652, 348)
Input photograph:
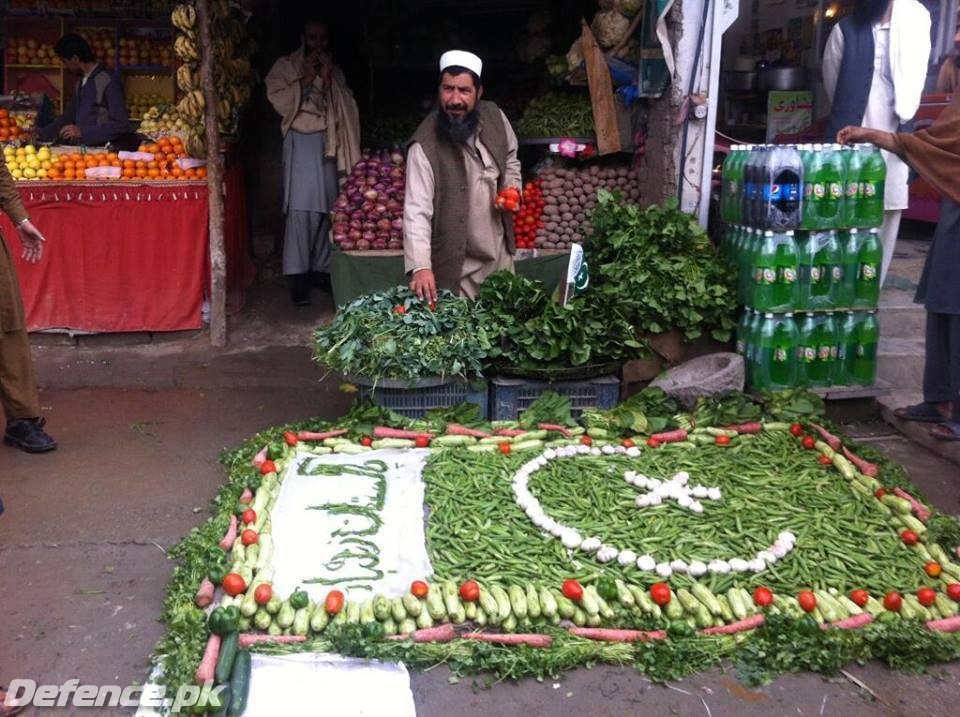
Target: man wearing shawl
point(321, 143)
point(935, 154)
point(874, 69)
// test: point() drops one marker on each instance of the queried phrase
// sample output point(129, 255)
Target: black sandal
point(920, 412)
point(946, 431)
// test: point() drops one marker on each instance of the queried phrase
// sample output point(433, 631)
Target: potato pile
point(571, 194)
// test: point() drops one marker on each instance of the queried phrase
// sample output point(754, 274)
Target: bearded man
point(459, 159)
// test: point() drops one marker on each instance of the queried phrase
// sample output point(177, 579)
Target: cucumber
point(453, 441)
point(381, 607)
point(534, 609)
point(266, 553)
point(526, 446)
point(262, 619)
point(460, 616)
point(301, 622)
point(726, 614)
point(874, 606)
point(747, 600)
point(540, 435)
point(624, 596)
point(594, 621)
point(825, 449)
point(407, 627)
point(392, 443)
point(606, 612)
point(689, 602)
point(412, 605)
point(353, 613)
point(702, 593)
point(849, 605)
point(285, 615)
point(435, 604)
point(589, 602)
point(228, 653)
point(248, 606)
point(579, 617)
point(389, 626)
point(673, 610)
point(489, 605)
point(274, 629)
point(451, 597)
point(335, 441)
point(911, 522)
point(481, 617)
point(946, 606)
point(598, 433)
point(253, 552)
point(643, 600)
point(485, 447)
point(826, 608)
point(240, 683)
point(899, 505)
point(510, 624)
point(366, 612)
point(424, 621)
point(921, 612)
point(319, 619)
point(397, 611)
point(225, 697)
point(351, 449)
point(470, 610)
point(503, 602)
point(838, 608)
point(548, 603)
point(566, 608)
point(493, 441)
point(518, 601)
point(238, 553)
point(722, 432)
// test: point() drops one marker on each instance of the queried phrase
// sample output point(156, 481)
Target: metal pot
point(783, 78)
point(736, 81)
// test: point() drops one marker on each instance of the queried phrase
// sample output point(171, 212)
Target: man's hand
point(309, 68)
point(326, 66)
point(70, 131)
point(32, 242)
point(424, 285)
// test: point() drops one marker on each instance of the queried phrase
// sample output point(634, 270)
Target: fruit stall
point(128, 230)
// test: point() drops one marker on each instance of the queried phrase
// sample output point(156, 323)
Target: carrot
point(949, 624)
point(249, 639)
point(563, 430)
point(752, 427)
point(599, 633)
point(246, 496)
point(231, 535)
point(208, 663)
point(387, 432)
point(865, 467)
point(260, 458)
point(510, 432)
point(919, 509)
point(832, 441)
point(849, 623)
point(441, 633)
point(314, 436)
point(733, 628)
point(671, 436)
point(533, 640)
point(205, 593)
point(455, 429)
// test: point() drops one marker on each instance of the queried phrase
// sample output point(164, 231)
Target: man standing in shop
point(321, 143)
point(948, 79)
point(97, 113)
point(874, 70)
point(18, 390)
point(460, 158)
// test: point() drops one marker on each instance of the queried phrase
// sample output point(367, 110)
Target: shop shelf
point(33, 67)
point(413, 401)
point(509, 397)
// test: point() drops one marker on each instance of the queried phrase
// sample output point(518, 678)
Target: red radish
point(671, 436)
point(860, 597)
point(231, 535)
point(722, 440)
point(208, 663)
point(853, 622)
point(751, 427)
point(610, 635)
point(246, 496)
point(469, 591)
point(953, 591)
point(893, 601)
point(832, 441)
point(260, 457)
point(509, 432)
point(926, 596)
point(321, 436)
point(563, 430)
point(919, 509)
point(441, 633)
point(532, 640)
point(572, 590)
point(234, 584)
point(455, 429)
point(249, 639)
point(909, 537)
point(932, 568)
point(366, 441)
point(290, 438)
point(750, 623)
point(865, 467)
point(950, 624)
point(387, 432)
point(204, 595)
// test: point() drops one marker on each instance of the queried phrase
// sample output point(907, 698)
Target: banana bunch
point(186, 49)
point(184, 18)
point(220, 8)
point(187, 79)
point(195, 144)
point(191, 107)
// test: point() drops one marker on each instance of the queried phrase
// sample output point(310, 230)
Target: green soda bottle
point(726, 177)
point(819, 256)
point(830, 174)
point(745, 275)
point(873, 179)
point(806, 348)
point(862, 358)
point(743, 332)
point(866, 290)
point(817, 350)
point(776, 364)
point(853, 166)
point(849, 263)
point(812, 155)
point(828, 349)
point(787, 288)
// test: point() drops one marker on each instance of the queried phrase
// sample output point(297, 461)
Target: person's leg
point(937, 393)
point(950, 430)
point(320, 254)
point(888, 237)
point(19, 396)
point(297, 240)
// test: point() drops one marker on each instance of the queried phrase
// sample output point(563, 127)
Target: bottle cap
point(768, 315)
point(788, 315)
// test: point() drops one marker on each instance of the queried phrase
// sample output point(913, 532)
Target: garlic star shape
point(677, 488)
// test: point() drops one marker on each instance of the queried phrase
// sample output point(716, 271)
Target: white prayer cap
point(461, 58)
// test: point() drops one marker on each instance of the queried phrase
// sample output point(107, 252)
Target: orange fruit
point(176, 171)
point(202, 172)
point(152, 165)
point(69, 173)
point(191, 174)
point(152, 148)
point(127, 173)
point(141, 172)
point(4, 113)
point(129, 163)
point(153, 172)
point(113, 156)
point(81, 174)
point(76, 157)
point(141, 165)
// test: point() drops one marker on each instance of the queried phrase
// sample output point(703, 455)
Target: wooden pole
point(218, 260)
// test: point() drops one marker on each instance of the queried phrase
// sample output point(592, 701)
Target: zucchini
point(389, 626)
point(301, 622)
point(452, 441)
point(424, 621)
point(874, 606)
point(726, 614)
point(366, 612)
point(826, 608)
point(605, 611)
point(540, 435)
point(518, 601)
point(946, 606)
point(702, 593)
point(262, 619)
point(285, 615)
point(435, 604)
point(566, 608)
point(624, 596)
point(228, 653)
point(248, 606)
point(470, 610)
point(911, 522)
point(397, 611)
point(274, 629)
point(489, 605)
point(589, 602)
point(526, 446)
point(240, 683)
point(579, 617)
point(899, 505)
point(598, 433)
point(319, 619)
point(460, 616)
point(407, 627)
point(510, 624)
point(548, 603)
point(484, 447)
point(534, 609)
point(503, 602)
point(451, 597)
point(493, 441)
point(381, 607)
point(412, 605)
point(481, 617)
point(921, 612)
point(335, 441)
point(689, 602)
point(593, 621)
point(392, 443)
point(673, 610)
point(225, 699)
point(849, 605)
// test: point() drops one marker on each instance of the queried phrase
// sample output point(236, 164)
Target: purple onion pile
point(368, 213)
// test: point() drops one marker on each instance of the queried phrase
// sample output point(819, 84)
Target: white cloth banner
point(328, 523)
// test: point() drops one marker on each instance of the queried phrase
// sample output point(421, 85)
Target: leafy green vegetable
point(910, 646)
point(648, 411)
point(550, 407)
point(793, 405)
point(726, 409)
point(659, 267)
point(558, 114)
point(943, 529)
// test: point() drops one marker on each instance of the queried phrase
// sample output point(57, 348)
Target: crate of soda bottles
point(811, 349)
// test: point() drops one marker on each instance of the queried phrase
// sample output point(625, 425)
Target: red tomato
point(796, 429)
point(808, 442)
point(586, 440)
point(421, 441)
point(628, 443)
point(290, 438)
point(249, 537)
point(469, 591)
point(722, 440)
point(366, 441)
point(926, 596)
point(953, 591)
point(653, 442)
point(505, 448)
point(419, 589)
point(933, 569)
point(859, 597)
point(399, 309)
point(880, 493)
point(893, 601)
point(249, 516)
point(432, 306)
point(763, 597)
point(262, 594)
point(572, 590)
point(825, 460)
point(334, 602)
point(807, 600)
point(660, 593)
point(268, 467)
point(909, 537)
point(234, 584)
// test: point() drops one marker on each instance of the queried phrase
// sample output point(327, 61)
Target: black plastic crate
point(509, 397)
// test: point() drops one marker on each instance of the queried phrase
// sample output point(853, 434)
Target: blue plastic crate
point(509, 397)
point(414, 401)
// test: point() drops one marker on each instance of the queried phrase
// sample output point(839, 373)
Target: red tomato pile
point(529, 218)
